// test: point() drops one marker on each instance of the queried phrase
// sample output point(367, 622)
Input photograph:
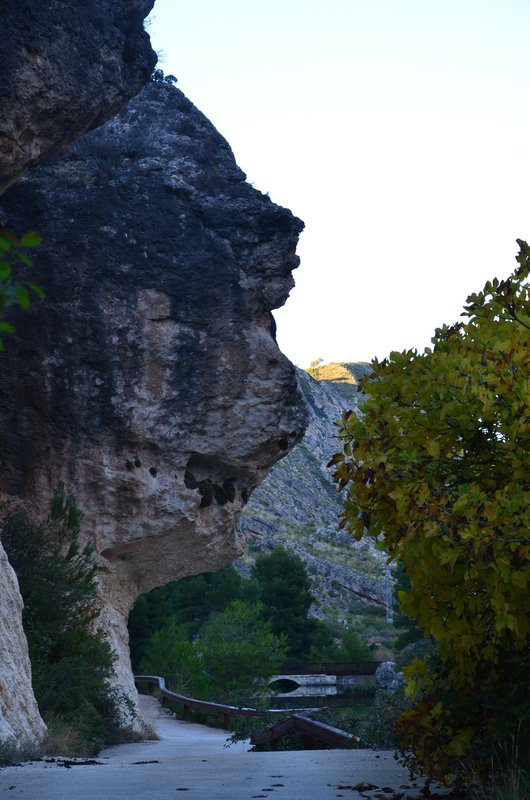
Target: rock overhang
point(149, 380)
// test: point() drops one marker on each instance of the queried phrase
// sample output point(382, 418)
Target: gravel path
point(193, 761)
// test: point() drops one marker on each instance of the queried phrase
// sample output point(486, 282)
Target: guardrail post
point(226, 718)
point(186, 710)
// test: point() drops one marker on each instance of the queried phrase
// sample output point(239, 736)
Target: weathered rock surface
point(19, 715)
point(297, 506)
point(64, 69)
point(388, 679)
point(149, 380)
point(343, 377)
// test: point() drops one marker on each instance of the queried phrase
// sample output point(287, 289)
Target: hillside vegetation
point(298, 507)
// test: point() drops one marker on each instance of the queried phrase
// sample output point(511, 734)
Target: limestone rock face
point(149, 380)
point(65, 68)
point(19, 715)
point(297, 506)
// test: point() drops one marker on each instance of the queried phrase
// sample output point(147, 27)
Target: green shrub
point(351, 649)
point(170, 653)
point(72, 665)
point(240, 651)
point(15, 292)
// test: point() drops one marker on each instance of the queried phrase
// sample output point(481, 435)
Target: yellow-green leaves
point(437, 465)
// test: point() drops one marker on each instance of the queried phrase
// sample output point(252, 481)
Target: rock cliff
point(64, 69)
point(149, 380)
point(297, 506)
point(19, 715)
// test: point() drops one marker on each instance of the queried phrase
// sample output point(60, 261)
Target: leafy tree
point(285, 591)
point(188, 601)
point(157, 76)
point(14, 292)
point(351, 649)
point(437, 469)
point(410, 631)
point(151, 612)
point(240, 651)
point(315, 364)
point(170, 653)
point(71, 664)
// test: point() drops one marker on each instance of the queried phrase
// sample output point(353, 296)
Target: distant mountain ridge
point(343, 376)
point(298, 506)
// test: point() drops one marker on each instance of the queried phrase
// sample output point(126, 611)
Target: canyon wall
point(298, 507)
point(64, 69)
point(149, 380)
point(19, 716)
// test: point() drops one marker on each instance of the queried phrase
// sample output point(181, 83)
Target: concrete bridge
point(296, 674)
point(305, 680)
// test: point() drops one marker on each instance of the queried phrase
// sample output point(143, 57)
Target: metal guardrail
point(329, 668)
point(155, 682)
point(311, 730)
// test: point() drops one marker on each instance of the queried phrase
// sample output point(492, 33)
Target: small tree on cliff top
point(437, 468)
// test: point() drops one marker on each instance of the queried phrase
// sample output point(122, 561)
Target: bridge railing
point(312, 732)
point(157, 683)
point(329, 668)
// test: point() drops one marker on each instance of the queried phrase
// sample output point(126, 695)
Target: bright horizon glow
point(397, 131)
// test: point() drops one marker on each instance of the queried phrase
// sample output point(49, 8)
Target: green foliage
point(170, 653)
point(14, 292)
point(240, 651)
point(71, 665)
point(14, 752)
point(233, 658)
point(284, 587)
point(437, 469)
point(410, 632)
point(189, 602)
point(351, 649)
point(315, 364)
point(376, 723)
point(150, 613)
point(157, 76)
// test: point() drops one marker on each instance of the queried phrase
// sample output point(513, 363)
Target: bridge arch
point(283, 684)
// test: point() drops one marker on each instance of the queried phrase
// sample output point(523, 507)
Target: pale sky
point(398, 130)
